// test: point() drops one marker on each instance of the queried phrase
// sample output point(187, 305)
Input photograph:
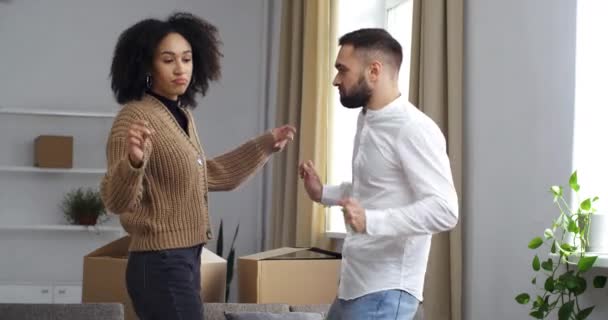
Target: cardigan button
point(200, 161)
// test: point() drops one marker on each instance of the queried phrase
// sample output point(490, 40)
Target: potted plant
point(562, 274)
point(83, 206)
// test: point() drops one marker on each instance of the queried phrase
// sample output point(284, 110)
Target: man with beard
point(401, 190)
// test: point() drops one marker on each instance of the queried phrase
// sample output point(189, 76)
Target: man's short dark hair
point(374, 39)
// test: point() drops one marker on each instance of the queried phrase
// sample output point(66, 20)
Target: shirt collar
point(387, 110)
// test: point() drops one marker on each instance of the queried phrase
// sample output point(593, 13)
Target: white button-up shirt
point(402, 177)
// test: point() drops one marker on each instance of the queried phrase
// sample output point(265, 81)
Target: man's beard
point(358, 96)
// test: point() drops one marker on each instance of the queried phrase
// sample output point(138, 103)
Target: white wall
point(57, 54)
point(519, 107)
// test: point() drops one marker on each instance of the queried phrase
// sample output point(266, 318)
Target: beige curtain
point(436, 79)
point(304, 93)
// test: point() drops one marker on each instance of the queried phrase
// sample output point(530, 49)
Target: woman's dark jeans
point(166, 284)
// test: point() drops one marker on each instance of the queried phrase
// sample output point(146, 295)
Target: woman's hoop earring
point(148, 81)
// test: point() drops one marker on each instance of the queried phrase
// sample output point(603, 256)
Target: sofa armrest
point(89, 311)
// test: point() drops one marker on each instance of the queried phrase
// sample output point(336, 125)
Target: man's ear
point(375, 69)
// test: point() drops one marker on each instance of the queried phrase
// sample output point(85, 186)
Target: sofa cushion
point(273, 316)
point(215, 311)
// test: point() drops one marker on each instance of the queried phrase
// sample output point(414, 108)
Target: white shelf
point(49, 170)
point(58, 113)
point(60, 227)
point(335, 235)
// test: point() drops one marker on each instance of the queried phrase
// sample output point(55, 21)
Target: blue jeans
point(383, 305)
point(166, 284)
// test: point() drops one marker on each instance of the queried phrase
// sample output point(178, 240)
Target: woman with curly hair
point(158, 176)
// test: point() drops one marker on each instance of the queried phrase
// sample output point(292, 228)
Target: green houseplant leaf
point(550, 284)
point(523, 298)
point(220, 240)
point(547, 265)
point(586, 205)
point(584, 313)
point(565, 311)
point(231, 258)
point(230, 261)
point(573, 182)
point(535, 243)
point(557, 192)
point(599, 282)
point(585, 263)
point(536, 263)
point(537, 314)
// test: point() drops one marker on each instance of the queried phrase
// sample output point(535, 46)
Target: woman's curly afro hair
point(134, 53)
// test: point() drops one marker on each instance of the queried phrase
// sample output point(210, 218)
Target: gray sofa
point(115, 311)
point(88, 311)
point(215, 311)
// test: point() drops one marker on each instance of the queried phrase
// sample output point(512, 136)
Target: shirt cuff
point(331, 195)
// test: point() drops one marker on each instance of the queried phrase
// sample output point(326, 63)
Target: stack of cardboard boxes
point(293, 276)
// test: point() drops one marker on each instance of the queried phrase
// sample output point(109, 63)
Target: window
point(591, 112)
point(396, 17)
point(399, 15)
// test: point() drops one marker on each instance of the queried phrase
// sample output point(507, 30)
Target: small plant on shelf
point(83, 206)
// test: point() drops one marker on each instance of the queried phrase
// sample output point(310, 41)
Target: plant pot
point(87, 220)
point(598, 237)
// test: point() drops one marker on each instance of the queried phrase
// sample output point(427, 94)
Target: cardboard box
point(53, 151)
point(105, 268)
point(295, 276)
